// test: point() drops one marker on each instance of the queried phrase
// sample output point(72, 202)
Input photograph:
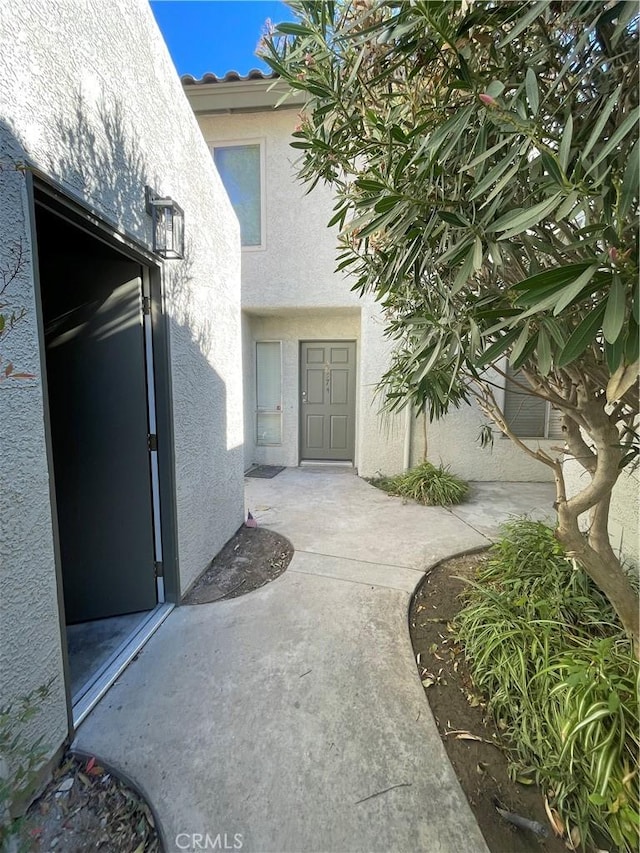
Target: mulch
point(470, 736)
point(252, 558)
point(87, 807)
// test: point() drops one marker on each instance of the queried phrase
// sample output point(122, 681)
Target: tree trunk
point(593, 551)
point(605, 571)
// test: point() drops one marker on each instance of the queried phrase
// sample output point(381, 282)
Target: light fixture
point(168, 225)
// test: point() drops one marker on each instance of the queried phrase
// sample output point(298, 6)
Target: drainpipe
point(406, 462)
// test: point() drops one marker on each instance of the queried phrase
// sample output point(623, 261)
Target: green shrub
point(560, 678)
point(426, 484)
point(20, 761)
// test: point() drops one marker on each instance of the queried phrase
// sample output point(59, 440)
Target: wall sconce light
point(168, 225)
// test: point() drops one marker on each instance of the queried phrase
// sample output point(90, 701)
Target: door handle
point(304, 396)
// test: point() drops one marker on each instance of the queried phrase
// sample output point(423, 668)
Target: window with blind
point(527, 415)
point(240, 168)
point(268, 393)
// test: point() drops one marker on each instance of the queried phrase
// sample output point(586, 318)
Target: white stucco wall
point(296, 267)
point(291, 327)
point(295, 270)
point(380, 437)
point(30, 641)
point(454, 442)
point(624, 515)
point(89, 96)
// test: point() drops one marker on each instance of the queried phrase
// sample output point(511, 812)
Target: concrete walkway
point(292, 719)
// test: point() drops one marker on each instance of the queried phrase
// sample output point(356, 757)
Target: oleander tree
point(484, 161)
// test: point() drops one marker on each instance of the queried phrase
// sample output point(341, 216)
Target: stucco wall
point(296, 270)
point(296, 267)
point(291, 327)
point(380, 437)
point(454, 441)
point(90, 97)
point(30, 641)
point(624, 516)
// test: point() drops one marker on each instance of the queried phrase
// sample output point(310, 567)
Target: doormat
point(264, 472)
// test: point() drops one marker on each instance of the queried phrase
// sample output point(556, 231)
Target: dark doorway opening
point(98, 406)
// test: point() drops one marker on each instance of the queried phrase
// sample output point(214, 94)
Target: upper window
point(239, 167)
point(527, 415)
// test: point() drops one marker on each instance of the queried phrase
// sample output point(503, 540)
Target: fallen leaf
point(90, 763)
point(573, 842)
point(557, 824)
point(96, 770)
point(428, 682)
point(468, 736)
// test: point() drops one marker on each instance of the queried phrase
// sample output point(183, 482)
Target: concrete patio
point(292, 719)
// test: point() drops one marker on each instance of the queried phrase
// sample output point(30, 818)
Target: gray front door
point(327, 408)
point(95, 350)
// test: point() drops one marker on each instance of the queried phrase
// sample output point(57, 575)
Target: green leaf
point(567, 206)
point(493, 175)
point(520, 219)
point(446, 135)
point(453, 219)
point(502, 183)
point(485, 155)
point(557, 275)
point(565, 144)
point(613, 354)
point(581, 336)
point(339, 216)
point(632, 346)
point(291, 29)
point(629, 189)
point(627, 125)
point(605, 112)
point(615, 311)
point(477, 254)
point(528, 348)
point(533, 96)
point(543, 351)
point(498, 348)
point(534, 12)
point(573, 290)
point(552, 167)
point(464, 272)
point(495, 88)
point(520, 344)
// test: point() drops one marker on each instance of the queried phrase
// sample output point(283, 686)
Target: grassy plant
point(20, 760)
point(560, 678)
point(426, 484)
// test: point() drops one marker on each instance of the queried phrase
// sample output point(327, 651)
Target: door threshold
point(88, 696)
point(325, 463)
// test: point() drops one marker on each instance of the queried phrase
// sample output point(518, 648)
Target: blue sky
point(215, 35)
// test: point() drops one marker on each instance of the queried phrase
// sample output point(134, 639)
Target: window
point(527, 415)
point(268, 393)
point(240, 169)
